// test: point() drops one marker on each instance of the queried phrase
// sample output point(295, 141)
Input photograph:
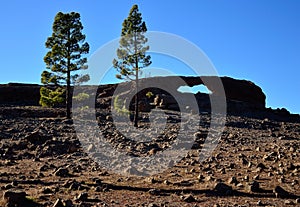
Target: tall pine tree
point(67, 45)
point(132, 52)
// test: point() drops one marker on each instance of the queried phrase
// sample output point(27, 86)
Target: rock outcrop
point(240, 94)
point(20, 94)
point(237, 90)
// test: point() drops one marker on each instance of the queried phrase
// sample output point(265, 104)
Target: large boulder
point(15, 198)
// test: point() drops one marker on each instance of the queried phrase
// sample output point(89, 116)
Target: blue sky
point(258, 40)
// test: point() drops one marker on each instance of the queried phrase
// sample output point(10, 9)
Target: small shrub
point(149, 94)
point(119, 106)
point(81, 97)
point(51, 98)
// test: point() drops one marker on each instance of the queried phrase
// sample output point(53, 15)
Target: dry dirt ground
point(256, 163)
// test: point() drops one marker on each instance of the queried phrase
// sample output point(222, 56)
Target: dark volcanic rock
point(242, 96)
point(281, 193)
point(14, 198)
point(223, 189)
point(22, 94)
point(62, 172)
point(249, 147)
point(82, 196)
point(254, 187)
point(238, 90)
point(188, 198)
point(58, 203)
point(37, 137)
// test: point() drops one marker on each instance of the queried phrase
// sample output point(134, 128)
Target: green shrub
point(51, 98)
point(81, 97)
point(149, 94)
point(119, 106)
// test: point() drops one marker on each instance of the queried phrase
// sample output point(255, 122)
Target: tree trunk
point(68, 92)
point(68, 95)
point(136, 113)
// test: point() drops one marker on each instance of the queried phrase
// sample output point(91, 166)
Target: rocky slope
point(256, 162)
point(43, 162)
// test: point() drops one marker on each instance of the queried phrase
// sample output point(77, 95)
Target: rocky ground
point(256, 163)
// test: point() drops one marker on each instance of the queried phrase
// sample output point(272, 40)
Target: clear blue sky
point(258, 40)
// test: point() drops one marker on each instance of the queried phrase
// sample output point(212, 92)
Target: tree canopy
point(65, 56)
point(131, 53)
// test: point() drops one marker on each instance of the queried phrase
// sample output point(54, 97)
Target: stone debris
point(254, 187)
point(223, 189)
point(233, 180)
point(260, 203)
point(58, 203)
point(62, 172)
point(289, 202)
point(82, 197)
point(45, 157)
point(188, 198)
point(281, 193)
point(154, 191)
point(14, 198)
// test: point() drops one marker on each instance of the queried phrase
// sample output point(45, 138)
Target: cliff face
point(19, 94)
point(237, 91)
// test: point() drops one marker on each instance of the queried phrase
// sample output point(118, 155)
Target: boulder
point(282, 193)
point(62, 172)
point(223, 189)
point(14, 198)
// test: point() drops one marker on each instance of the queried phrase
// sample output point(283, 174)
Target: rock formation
point(238, 90)
point(241, 95)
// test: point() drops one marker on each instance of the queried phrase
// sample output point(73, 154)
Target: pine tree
point(132, 52)
point(63, 59)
